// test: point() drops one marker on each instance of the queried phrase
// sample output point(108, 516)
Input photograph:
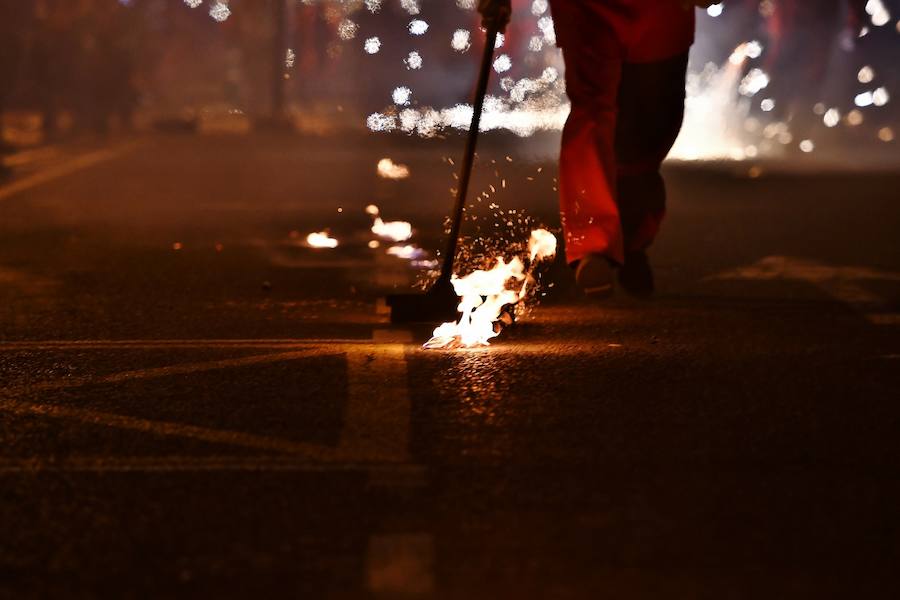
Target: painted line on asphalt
point(385, 475)
point(185, 344)
point(841, 283)
point(377, 415)
point(79, 163)
point(400, 564)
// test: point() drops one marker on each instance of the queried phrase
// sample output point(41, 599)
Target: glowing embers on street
point(485, 295)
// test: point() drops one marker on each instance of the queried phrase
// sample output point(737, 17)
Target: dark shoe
point(636, 276)
point(594, 275)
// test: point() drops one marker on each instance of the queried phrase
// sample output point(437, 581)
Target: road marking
point(376, 422)
point(78, 163)
point(377, 414)
point(841, 283)
point(400, 564)
point(182, 344)
point(378, 474)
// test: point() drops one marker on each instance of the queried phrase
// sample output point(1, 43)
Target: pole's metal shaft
point(469, 157)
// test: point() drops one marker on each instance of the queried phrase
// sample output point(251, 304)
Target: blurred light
point(819, 108)
point(753, 82)
point(500, 40)
point(807, 146)
point(536, 43)
point(373, 5)
point(372, 45)
point(767, 104)
point(886, 134)
point(539, 7)
point(374, 244)
point(832, 117)
point(854, 117)
point(714, 10)
point(866, 74)
point(863, 100)
point(193, 3)
point(177, 246)
point(545, 24)
point(289, 57)
point(880, 96)
point(878, 12)
point(466, 4)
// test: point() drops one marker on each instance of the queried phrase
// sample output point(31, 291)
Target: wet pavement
point(193, 403)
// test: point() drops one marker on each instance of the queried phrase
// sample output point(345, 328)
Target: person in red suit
point(626, 62)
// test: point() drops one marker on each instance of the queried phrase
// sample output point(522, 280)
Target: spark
point(536, 43)
point(396, 231)
point(460, 41)
point(193, 3)
point(373, 6)
point(289, 58)
point(347, 29)
point(410, 6)
point(545, 24)
point(413, 61)
point(714, 10)
point(401, 95)
point(219, 11)
point(466, 4)
point(418, 27)
point(372, 45)
point(501, 39)
point(502, 63)
point(539, 7)
point(321, 239)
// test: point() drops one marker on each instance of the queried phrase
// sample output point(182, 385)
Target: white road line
point(841, 283)
point(376, 421)
point(400, 565)
point(378, 474)
point(67, 168)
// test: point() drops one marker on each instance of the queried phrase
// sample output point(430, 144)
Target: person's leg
point(593, 59)
point(650, 109)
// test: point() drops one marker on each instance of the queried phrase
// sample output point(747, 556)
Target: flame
point(391, 170)
point(485, 294)
point(409, 252)
point(321, 239)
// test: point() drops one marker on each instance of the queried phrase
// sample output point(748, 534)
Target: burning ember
point(391, 170)
point(486, 295)
point(321, 239)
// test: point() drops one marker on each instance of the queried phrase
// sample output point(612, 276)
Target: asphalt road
point(193, 403)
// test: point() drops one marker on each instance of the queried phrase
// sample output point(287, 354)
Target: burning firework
point(397, 231)
point(391, 170)
point(486, 295)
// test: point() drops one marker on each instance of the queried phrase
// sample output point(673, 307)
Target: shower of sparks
point(486, 294)
point(193, 3)
point(401, 95)
point(373, 6)
point(460, 41)
point(501, 39)
point(372, 45)
point(466, 4)
point(321, 239)
point(418, 27)
point(545, 24)
point(347, 29)
point(219, 11)
point(388, 169)
point(413, 61)
point(289, 58)
point(539, 7)
point(408, 252)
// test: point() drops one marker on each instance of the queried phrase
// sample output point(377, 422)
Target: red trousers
point(625, 68)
